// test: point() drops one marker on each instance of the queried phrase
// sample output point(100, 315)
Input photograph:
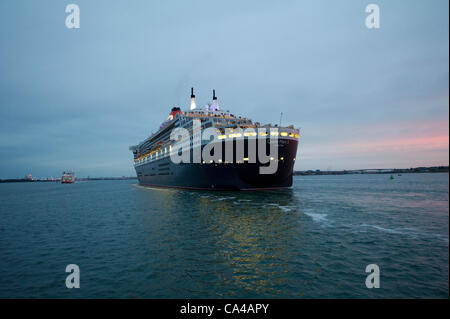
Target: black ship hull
point(221, 176)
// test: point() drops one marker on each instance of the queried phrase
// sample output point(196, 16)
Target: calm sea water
point(312, 241)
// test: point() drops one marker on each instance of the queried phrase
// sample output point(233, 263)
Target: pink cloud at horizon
point(424, 143)
point(406, 144)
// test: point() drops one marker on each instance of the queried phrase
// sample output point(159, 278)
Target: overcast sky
point(363, 98)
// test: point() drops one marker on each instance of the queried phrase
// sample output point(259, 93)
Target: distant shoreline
point(58, 180)
point(434, 169)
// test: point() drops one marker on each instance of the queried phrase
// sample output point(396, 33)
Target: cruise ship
point(246, 151)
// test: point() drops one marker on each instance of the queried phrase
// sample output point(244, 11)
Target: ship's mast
point(215, 104)
point(193, 106)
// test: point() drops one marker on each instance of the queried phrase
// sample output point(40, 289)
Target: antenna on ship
point(281, 115)
point(215, 104)
point(193, 106)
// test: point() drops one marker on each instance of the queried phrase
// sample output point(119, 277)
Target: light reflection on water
point(250, 237)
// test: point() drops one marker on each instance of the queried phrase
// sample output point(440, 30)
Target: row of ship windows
point(161, 153)
point(233, 135)
point(220, 161)
point(166, 135)
point(140, 174)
